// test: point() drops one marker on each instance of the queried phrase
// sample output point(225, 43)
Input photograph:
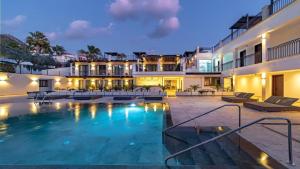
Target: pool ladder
point(289, 124)
point(35, 99)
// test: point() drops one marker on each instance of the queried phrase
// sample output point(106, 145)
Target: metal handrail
point(226, 105)
point(291, 162)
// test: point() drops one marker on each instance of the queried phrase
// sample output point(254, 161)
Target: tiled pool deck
point(271, 139)
point(263, 136)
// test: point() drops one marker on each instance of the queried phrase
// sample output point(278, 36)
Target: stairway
point(222, 153)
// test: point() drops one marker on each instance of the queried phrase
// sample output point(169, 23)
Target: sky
point(153, 26)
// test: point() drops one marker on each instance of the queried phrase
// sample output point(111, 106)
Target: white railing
point(287, 49)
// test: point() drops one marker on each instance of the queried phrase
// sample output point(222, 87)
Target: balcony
point(284, 50)
point(243, 26)
point(246, 61)
point(227, 66)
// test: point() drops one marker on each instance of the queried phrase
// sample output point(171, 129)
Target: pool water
point(115, 135)
point(85, 134)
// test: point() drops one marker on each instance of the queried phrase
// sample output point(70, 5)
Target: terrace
point(247, 22)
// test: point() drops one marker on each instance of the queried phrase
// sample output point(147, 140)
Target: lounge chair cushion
point(234, 99)
point(271, 99)
point(248, 95)
point(269, 107)
point(286, 101)
point(241, 95)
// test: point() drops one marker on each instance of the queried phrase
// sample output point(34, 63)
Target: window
point(258, 53)
point(205, 66)
point(169, 67)
point(101, 70)
point(43, 83)
point(151, 68)
point(118, 70)
point(83, 70)
point(211, 81)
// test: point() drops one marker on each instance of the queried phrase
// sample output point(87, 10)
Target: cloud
point(52, 35)
point(163, 12)
point(165, 26)
point(80, 29)
point(14, 22)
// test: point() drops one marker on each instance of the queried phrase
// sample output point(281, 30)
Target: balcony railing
point(280, 4)
point(276, 6)
point(228, 65)
point(248, 60)
point(287, 49)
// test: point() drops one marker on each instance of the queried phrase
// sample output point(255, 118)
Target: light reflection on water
point(4, 111)
point(51, 129)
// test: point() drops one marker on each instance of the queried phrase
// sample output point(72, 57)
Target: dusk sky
point(157, 26)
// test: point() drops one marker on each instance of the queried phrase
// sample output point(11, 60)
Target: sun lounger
point(274, 104)
point(151, 98)
point(85, 96)
point(123, 98)
point(239, 98)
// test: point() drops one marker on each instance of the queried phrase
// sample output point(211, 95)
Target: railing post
point(290, 143)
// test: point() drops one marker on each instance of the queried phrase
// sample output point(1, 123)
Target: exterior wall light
point(3, 77)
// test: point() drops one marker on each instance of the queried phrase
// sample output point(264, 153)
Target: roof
point(242, 22)
point(144, 54)
point(115, 54)
point(27, 64)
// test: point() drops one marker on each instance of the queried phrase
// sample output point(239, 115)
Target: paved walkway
point(265, 137)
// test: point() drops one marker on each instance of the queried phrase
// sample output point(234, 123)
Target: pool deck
point(271, 139)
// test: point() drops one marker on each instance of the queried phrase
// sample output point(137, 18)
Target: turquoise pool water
point(85, 134)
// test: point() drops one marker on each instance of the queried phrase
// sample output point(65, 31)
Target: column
point(109, 68)
point(265, 46)
point(263, 85)
point(159, 65)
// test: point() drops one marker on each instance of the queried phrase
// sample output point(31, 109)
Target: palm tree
point(194, 87)
point(93, 52)
point(38, 43)
point(59, 50)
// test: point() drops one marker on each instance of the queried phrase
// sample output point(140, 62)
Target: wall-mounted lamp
point(263, 75)
point(57, 80)
point(3, 77)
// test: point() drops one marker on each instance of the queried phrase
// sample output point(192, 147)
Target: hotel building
point(173, 72)
point(262, 53)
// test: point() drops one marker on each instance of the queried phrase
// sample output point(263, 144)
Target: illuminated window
point(205, 66)
point(211, 81)
point(43, 83)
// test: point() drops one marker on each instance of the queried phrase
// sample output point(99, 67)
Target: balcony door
point(258, 53)
point(242, 58)
point(278, 85)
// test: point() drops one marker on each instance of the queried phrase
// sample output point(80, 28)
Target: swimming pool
point(116, 135)
point(85, 134)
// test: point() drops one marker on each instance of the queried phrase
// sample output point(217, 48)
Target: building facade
point(169, 72)
point(262, 53)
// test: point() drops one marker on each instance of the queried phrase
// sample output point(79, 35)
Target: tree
point(58, 50)
point(147, 88)
point(92, 52)
point(194, 87)
point(38, 43)
point(48, 61)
